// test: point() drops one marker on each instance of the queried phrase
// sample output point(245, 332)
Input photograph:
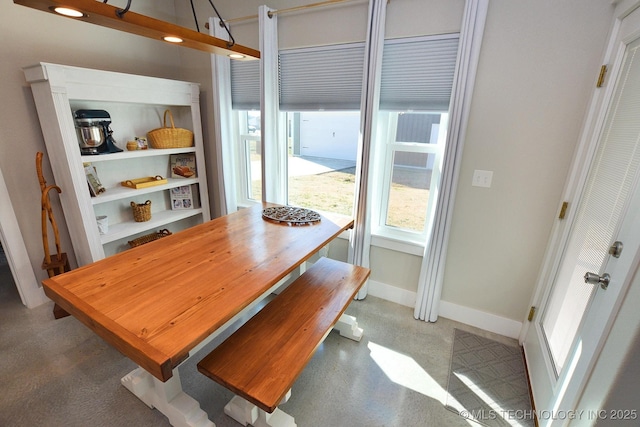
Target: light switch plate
point(482, 178)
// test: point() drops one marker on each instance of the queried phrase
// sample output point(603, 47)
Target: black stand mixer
point(94, 132)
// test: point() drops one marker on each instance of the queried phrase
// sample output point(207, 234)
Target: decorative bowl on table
point(290, 215)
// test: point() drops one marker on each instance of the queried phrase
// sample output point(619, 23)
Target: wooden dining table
point(160, 302)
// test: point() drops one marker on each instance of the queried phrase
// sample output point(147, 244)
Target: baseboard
point(392, 293)
point(470, 316)
point(480, 319)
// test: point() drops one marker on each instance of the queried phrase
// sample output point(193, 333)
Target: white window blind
point(245, 85)
point(321, 78)
point(417, 73)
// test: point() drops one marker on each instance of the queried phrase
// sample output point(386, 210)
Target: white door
point(574, 315)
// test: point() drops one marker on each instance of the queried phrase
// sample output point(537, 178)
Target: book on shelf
point(184, 197)
point(95, 186)
point(183, 165)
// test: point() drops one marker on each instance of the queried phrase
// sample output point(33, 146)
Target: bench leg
point(348, 327)
point(246, 413)
point(167, 397)
point(241, 410)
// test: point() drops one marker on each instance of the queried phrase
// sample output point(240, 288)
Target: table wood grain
point(156, 302)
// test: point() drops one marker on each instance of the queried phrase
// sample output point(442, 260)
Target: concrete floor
point(59, 373)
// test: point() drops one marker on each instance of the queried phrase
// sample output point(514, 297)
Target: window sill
point(411, 248)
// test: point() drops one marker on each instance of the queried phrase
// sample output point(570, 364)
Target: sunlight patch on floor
point(405, 371)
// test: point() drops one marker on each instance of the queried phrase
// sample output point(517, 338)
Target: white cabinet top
point(100, 85)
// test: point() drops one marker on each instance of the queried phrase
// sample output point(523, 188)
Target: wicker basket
point(149, 238)
point(170, 137)
point(141, 211)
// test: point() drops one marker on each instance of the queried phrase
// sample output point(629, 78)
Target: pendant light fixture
point(105, 15)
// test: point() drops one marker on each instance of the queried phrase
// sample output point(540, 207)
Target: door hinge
point(532, 312)
point(563, 210)
point(603, 71)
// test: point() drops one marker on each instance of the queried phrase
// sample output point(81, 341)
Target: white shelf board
point(158, 219)
point(135, 154)
point(120, 192)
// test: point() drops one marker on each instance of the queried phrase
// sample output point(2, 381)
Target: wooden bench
point(261, 360)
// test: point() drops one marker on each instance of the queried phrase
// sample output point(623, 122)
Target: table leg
point(167, 397)
point(246, 412)
point(348, 327)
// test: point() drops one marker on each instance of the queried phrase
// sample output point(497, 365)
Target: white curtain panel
point(360, 241)
point(225, 154)
point(274, 154)
point(434, 259)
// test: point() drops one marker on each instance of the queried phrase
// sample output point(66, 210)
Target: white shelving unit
point(136, 105)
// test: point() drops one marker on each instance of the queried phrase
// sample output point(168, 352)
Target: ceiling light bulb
point(66, 11)
point(236, 56)
point(172, 39)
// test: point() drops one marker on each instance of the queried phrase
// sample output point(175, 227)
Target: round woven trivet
point(290, 215)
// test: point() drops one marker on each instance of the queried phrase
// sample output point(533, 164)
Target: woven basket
point(149, 238)
point(141, 211)
point(170, 137)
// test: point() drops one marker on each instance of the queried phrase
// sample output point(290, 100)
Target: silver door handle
point(596, 279)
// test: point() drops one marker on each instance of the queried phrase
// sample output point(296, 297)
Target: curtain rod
point(294, 9)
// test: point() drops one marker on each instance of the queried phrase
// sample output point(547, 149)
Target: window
point(416, 83)
point(322, 159)
point(320, 91)
point(245, 101)
point(322, 149)
point(249, 169)
point(411, 152)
